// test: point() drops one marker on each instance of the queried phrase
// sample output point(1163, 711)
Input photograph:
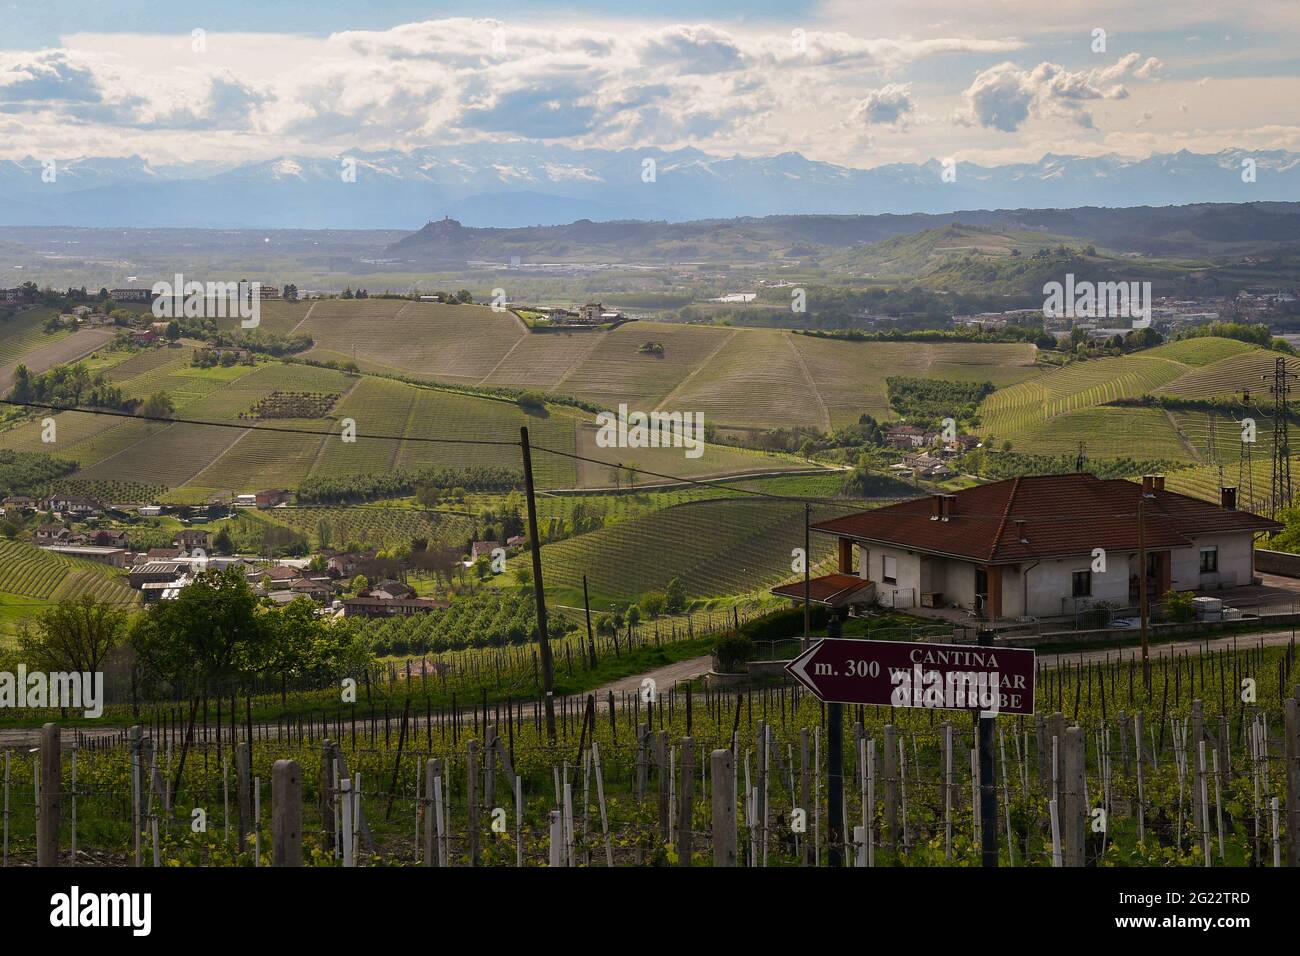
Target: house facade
point(1044, 546)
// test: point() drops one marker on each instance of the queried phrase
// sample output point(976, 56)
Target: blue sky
point(843, 81)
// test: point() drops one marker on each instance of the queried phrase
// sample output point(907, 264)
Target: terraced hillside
point(421, 428)
point(32, 578)
point(748, 378)
point(1054, 411)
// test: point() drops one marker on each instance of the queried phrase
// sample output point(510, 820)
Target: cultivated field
point(716, 548)
point(1054, 411)
point(738, 377)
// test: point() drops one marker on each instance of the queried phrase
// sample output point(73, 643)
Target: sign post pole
point(835, 781)
point(834, 763)
point(988, 792)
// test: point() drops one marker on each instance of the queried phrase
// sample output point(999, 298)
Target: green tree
point(212, 631)
point(674, 595)
point(222, 542)
point(74, 635)
point(158, 405)
point(653, 603)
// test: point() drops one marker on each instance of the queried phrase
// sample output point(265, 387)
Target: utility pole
point(543, 637)
point(807, 564)
point(988, 791)
point(1142, 587)
point(591, 639)
point(1280, 493)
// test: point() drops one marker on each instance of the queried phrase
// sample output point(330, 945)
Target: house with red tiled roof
point(1040, 546)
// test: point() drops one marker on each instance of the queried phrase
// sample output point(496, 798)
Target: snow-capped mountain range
point(517, 184)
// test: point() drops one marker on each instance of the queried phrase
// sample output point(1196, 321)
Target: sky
point(849, 82)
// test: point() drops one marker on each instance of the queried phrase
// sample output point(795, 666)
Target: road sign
point(907, 674)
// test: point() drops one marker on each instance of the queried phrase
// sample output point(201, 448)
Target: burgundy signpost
point(983, 679)
point(906, 674)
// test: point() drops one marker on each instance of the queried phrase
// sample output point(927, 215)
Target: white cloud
point(1004, 96)
point(888, 104)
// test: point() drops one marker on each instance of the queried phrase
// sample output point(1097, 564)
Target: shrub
point(1178, 606)
point(732, 650)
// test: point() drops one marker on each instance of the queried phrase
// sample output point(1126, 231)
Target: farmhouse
point(89, 552)
point(131, 295)
point(109, 538)
point(388, 607)
point(191, 538)
point(482, 549)
point(143, 336)
point(908, 436)
point(74, 505)
point(271, 497)
point(1042, 546)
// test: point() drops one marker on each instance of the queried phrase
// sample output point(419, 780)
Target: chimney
point(947, 506)
point(1228, 497)
point(1020, 531)
point(1159, 482)
point(1148, 482)
point(936, 507)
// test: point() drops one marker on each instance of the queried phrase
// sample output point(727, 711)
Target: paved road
point(665, 677)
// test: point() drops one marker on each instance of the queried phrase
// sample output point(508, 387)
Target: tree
point(633, 616)
point(523, 575)
point(465, 297)
point(222, 543)
point(653, 603)
point(324, 532)
point(210, 632)
point(173, 331)
point(674, 595)
point(359, 583)
point(75, 635)
point(158, 405)
point(426, 496)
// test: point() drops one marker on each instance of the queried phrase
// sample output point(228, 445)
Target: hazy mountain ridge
point(514, 184)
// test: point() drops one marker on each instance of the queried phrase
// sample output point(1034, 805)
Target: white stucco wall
point(1049, 581)
point(1236, 555)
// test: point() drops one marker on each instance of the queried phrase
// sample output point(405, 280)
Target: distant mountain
point(858, 244)
point(519, 184)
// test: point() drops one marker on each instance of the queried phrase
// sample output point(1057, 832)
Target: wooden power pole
point(543, 637)
point(1142, 589)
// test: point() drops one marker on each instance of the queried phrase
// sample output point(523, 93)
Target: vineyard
point(1068, 405)
point(24, 333)
point(280, 404)
point(1109, 772)
point(32, 572)
point(373, 526)
point(715, 547)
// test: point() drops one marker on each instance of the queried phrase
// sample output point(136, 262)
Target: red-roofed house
point(1041, 546)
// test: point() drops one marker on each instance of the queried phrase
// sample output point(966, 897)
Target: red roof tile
point(831, 589)
point(1062, 514)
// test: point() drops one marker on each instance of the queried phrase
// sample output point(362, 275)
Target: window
point(1209, 560)
point(1082, 584)
point(888, 570)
